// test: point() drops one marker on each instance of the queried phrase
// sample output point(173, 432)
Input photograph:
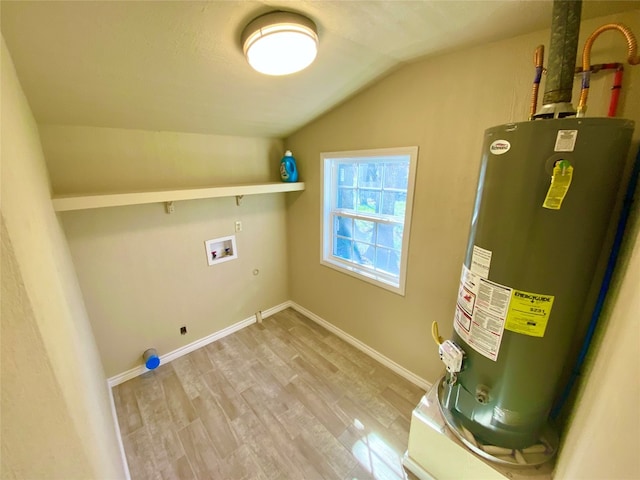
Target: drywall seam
point(114, 415)
point(387, 362)
point(179, 352)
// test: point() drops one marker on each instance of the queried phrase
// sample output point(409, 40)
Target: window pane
point(388, 261)
point(394, 203)
point(343, 226)
point(370, 175)
point(398, 231)
point(368, 201)
point(396, 175)
point(342, 247)
point(364, 254)
point(346, 198)
point(365, 231)
point(385, 236)
point(347, 174)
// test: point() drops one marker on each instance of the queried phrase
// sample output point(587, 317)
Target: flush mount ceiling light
point(280, 43)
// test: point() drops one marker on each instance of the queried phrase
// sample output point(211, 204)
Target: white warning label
point(566, 141)
point(481, 261)
point(480, 313)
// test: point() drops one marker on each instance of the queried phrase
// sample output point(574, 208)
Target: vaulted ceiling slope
point(178, 66)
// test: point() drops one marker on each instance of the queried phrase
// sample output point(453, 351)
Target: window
point(366, 213)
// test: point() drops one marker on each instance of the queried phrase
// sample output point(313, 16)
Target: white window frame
point(328, 210)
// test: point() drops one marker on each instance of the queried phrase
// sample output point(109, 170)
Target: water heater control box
point(452, 356)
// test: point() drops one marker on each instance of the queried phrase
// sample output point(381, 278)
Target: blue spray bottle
point(288, 170)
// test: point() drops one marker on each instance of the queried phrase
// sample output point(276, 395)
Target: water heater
point(544, 202)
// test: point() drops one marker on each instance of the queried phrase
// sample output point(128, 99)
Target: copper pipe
point(632, 58)
point(617, 82)
point(538, 61)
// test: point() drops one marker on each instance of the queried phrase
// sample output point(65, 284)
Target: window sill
point(364, 276)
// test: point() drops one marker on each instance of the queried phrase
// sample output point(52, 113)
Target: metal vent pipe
point(561, 66)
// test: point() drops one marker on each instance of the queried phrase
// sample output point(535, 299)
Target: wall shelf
point(65, 203)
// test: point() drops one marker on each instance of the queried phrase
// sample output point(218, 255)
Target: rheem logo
point(499, 147)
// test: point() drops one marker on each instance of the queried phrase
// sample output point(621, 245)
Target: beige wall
point(143, 272)
point(603, 440)
point(443, 105)
point(56, 417)
point(98, 160)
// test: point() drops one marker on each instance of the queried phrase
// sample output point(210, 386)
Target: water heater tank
point(545, 197)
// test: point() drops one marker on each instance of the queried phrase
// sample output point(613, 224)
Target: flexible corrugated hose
point(632, 58)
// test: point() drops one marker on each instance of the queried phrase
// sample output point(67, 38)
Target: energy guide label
point(529, 313)
point(481, 311)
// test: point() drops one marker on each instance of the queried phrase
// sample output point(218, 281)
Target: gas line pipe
point(615, 89)
point(632, 58)
point(586, 69)
point(617, 82)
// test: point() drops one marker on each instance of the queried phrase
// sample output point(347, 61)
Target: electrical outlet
point(183, 330)
point(238, 226)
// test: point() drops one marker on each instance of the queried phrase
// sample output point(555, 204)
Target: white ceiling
point(178, 66)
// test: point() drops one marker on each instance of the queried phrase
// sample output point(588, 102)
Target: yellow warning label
point(528, 313)
point(560, 182)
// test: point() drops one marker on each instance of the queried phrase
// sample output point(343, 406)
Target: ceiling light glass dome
point(280, 43)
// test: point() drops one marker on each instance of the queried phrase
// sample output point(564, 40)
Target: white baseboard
point(400, 370)
point(114, 415)
point(387, 362)
point(134, 372)
point(167, 357)
point(278, 308)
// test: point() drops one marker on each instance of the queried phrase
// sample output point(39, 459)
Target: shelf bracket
point(239, 200)
point(169, 207)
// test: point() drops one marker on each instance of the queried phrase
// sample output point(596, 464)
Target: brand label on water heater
point(499, 147)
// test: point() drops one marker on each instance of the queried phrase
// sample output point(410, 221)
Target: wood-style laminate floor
point(284, 399)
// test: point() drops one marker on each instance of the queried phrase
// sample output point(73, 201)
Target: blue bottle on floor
point(288, 170)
